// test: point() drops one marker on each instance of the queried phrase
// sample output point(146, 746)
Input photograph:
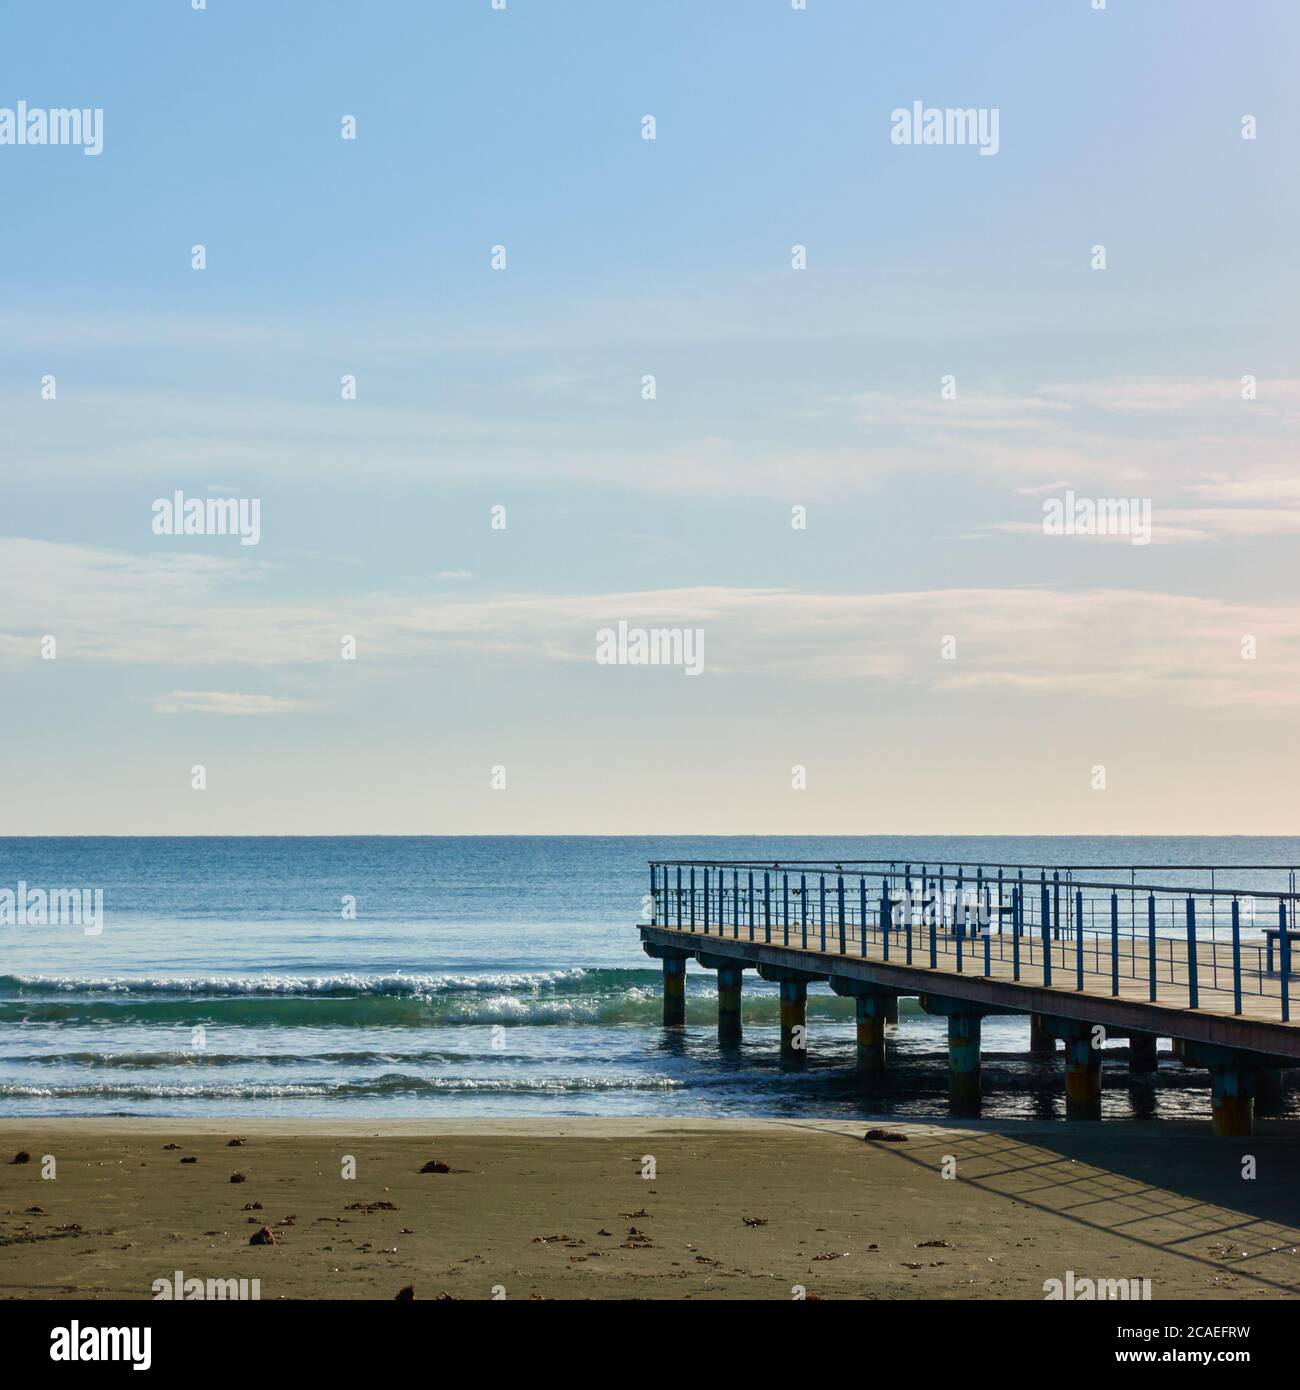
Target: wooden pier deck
point(1137, 960)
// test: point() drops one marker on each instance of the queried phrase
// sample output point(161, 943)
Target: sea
point(445, 977)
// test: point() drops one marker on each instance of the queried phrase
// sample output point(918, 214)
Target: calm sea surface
point(479, 976)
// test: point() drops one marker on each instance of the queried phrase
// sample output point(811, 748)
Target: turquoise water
point(478, 976)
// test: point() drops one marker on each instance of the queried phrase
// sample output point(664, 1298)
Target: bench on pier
point(1272, 935)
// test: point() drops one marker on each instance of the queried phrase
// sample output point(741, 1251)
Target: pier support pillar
point(1142, 1053)
point(794, 1007)
point(1234, 1082)
point(794, 1013)
point(730, 979)
point(1232, 1101)
point(874, 1008)
point(873, 1014)
point(964, 1061)
point(1082, 1079)
point(963, 1046)
point(1041, 1042)
point(674, 992)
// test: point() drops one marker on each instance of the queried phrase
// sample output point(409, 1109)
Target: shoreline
point(558, 1207)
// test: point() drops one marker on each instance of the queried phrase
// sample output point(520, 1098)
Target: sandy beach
point(561, 1209)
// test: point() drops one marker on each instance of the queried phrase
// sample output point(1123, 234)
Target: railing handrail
point(863, 867)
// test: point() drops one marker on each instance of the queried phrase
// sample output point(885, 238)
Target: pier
point(1199, 955)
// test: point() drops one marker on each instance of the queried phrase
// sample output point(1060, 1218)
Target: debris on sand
point(167, 1148)
point(371, 1206)
point(754, 1220)
point(435, 1165)
point(887, 1136)
point(235, 1144)
point(933, 1245)
point(238, 1177)
point(264, 1235)
point(831, 1255)
point(22, 1156)
point(252, 1206)
point(406, 1295)
point(189, 1159)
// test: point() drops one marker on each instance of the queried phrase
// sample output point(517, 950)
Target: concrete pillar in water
point(1232, 1101)
point(873, 1012)
point(964, 1061)
point(730, 979)
point(1270, 1089)
point(1082, 1079)
point(891, 1008)
point(674, 991)
point(1041, 1042)
point(1142, 1053)
point(794, 1013)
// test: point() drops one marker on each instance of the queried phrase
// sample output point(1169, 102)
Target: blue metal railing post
point(886, 915)
point(1046, 926)
point(785, 907)
point(735, 903)
point(934, 930)
point(767, 906)
point(1078, 940)
point(1236, 955)
point(1017, 912)
point(821, 894)
point(706, 901)
point(692, 897)
point(803, 910)
point(862, 912)
point(1151, 946)
point(1056, 904)
point(958, 927)
point(654, 895)
point(750, 904)
point(1114, 943)
point(1193, 984)
point(840, 896)
point(1285, 942)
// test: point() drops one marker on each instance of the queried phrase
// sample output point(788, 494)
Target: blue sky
point(775, 388)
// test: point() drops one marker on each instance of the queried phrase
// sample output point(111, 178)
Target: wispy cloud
point(224, 702)
point(1176, 648)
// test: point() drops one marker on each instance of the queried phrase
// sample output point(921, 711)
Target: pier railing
point(1222, 946)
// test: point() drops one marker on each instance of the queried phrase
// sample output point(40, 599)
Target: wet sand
point(560, 1209)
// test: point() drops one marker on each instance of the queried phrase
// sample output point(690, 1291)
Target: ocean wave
point(344, 984)
point(388, 1085)
point(146, 1061)
point(628, 1008)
